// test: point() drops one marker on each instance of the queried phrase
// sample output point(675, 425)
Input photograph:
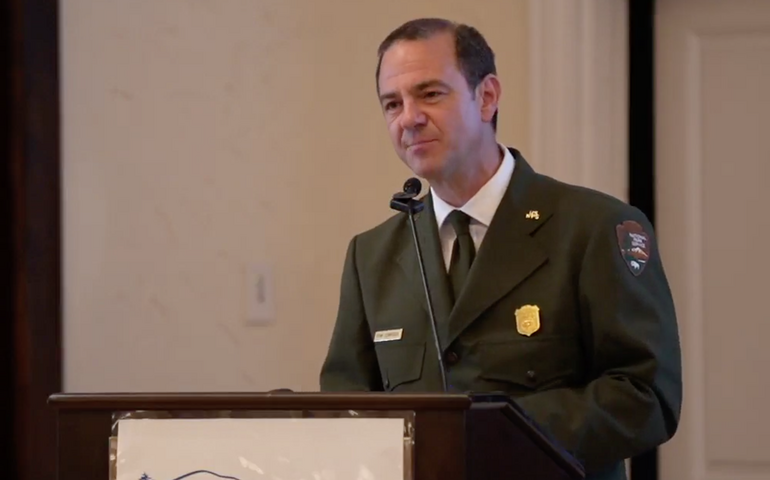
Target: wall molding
point(579, 92)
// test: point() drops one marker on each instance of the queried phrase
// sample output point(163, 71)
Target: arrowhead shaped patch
point(634, 245)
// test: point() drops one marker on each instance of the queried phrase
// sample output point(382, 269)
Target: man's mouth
point(420, 142)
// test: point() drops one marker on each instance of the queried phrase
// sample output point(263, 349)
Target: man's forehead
point(409, 63)
point(436, 49)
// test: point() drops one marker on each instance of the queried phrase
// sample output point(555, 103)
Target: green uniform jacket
point(602, 370)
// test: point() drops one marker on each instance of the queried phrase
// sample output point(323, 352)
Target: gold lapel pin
point(533, 215)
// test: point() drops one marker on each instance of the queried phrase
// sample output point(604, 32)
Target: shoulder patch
point(634, 245)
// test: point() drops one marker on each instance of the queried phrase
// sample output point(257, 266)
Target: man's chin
point(426, 168)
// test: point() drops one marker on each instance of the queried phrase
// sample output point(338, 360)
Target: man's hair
point(474, 57)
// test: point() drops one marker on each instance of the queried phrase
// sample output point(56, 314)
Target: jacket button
point(452, 358)
point(387, 383)
point(531, 375)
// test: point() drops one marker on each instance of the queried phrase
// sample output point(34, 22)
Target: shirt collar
point(482, 206)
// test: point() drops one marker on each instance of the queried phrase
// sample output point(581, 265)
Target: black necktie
point(463, 251)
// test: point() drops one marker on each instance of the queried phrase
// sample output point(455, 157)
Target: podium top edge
point(261, 401)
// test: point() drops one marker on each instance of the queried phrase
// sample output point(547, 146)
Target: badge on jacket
point(528, 319)
point(634, 246)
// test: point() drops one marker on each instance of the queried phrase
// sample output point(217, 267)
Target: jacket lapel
point(435, 271)
point(508, 254)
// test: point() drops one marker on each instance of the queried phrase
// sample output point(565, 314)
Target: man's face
point(435, 121)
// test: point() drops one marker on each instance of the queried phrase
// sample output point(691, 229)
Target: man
point(552, 293)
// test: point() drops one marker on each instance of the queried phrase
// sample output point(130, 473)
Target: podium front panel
point(241, 445)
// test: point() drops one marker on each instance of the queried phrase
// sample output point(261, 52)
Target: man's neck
point(465, 183)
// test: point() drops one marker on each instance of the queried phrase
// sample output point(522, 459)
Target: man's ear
point(488, 92)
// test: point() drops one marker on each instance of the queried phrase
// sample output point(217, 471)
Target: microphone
point(407, 203)
point(412, 186)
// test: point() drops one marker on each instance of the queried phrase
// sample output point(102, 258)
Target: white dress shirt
point(481, 207)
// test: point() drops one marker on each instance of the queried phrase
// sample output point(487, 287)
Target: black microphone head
point(405, 201)
point(412, 186)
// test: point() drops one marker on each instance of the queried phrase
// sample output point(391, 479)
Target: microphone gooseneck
point(407, 203)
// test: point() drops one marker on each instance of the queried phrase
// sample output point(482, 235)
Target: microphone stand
point(407, 203)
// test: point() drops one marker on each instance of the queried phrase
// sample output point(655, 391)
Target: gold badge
point(533, 215)
point(528, 319)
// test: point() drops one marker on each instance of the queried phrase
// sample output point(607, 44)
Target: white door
point(713, 219)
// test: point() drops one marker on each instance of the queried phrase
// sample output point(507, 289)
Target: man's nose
point(412, 116)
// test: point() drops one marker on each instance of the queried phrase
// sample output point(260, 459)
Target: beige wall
point(203, 137)
point(713, 68)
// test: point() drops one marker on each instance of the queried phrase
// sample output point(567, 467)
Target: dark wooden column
point(6, 249)
point(641, 143)
point(30, 232)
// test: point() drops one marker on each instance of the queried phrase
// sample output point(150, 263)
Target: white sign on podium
point(260, 449)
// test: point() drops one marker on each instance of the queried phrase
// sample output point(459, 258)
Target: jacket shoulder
point(386, 229)
point(383, 241)
point(587, 204)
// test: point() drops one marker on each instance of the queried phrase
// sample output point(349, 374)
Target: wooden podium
point(453, 436)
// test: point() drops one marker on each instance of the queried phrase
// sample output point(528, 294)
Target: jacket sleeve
point(632, 399)
point(351, 362)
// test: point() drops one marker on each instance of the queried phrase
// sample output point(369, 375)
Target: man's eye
point(432, 94)
point(391, 105)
